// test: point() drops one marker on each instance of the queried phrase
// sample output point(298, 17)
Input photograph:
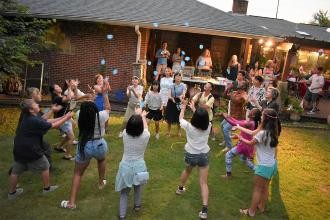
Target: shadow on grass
point(275, 202)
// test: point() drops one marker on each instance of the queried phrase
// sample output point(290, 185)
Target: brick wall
point(86, 44)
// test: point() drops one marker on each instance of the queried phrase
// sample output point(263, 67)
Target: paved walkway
point(324, 106)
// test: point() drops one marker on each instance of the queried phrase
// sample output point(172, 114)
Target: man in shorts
point(313, 92)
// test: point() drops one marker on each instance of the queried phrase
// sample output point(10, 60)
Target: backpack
point(208, 98)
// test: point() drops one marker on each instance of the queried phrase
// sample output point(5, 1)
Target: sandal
point(137, 208)
point(60, 149)
point(65, 157)
point(245, 212)
point(66, 205)
point(261, 210)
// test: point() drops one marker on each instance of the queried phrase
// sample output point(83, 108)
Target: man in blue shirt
point(162, 55)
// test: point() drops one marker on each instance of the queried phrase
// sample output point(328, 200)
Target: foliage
point(20, 36)
point(293, 104)
point(321, 18)
point(299, 191)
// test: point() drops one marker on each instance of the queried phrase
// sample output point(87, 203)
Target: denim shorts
point(200, 160)
point(66, 127)
point(93, 149)
point(266, 172)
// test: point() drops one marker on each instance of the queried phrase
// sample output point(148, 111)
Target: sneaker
point(157, 136)
point(75, 142)
point(317, 110)
point(18, 192)
point(51, 189)
point(104, 182)
point(222, 143)
point(226, 177)
point(311, 112)
point(120, 135)
point(137, 208)
point(213, 138)
point(226, 149)
point(180, 191)
point(202, 215)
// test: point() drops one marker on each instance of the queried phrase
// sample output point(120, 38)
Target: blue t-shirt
point(28, 140)
point(161, 60)
point(177, 90)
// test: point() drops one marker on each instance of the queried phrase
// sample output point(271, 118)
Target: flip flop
point(60, 149)
point(66, 205)
point(245, 212)
point(68, 157)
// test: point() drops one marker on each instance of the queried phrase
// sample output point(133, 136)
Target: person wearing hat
point(134, 93)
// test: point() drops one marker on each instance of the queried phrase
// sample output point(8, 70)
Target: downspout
point(138, 47)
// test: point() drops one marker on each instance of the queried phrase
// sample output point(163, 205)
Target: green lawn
point(300, 191)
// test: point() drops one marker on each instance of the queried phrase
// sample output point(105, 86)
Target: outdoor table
point(219, 84)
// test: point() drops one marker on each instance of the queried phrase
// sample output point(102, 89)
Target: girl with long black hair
point(91, 124)
point(266, 140)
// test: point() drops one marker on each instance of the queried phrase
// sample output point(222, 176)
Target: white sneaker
point(18, 192)
point(103, 185)
point(311, 112)
point(226, 149)
point(222, 143)
point(157, 136)
point(120, 135)
point(202, 215)
point(75, 142)
point(213, 138)
point(51, 189)
point(180, 191)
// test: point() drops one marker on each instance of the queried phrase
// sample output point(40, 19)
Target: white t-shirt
point(134, 147)
point(196, 139)
point(139, 91)
point(103, 116)
point(153, 100)
point(265, 153)
point(317, 81)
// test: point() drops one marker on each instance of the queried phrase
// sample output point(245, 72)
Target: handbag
point(141, 178)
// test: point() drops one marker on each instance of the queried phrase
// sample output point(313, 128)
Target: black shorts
point(309, 96)
point(155, 115)
point(201, 160)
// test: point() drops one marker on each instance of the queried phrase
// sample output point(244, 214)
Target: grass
point(299, 191)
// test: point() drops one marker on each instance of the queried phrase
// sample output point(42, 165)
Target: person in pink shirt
point(246, 151)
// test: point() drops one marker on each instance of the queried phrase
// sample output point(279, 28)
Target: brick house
point(119, 38)
point(122, 35)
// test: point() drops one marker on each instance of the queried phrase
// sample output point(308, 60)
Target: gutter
point(138, 46)
point(148, 25)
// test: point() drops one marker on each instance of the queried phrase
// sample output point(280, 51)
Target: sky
point(299, 11)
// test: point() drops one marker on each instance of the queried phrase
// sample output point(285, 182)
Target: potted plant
point(294, 108)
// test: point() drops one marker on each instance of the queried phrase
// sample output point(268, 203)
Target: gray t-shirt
point(134, 147)
point(139, 91)
point(265, 153)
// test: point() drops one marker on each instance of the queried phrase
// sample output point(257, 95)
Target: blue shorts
point(93, 149)
point(66, 127)
point(201, 160)
point(266, 172)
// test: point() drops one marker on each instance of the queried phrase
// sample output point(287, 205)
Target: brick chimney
point(240, 6)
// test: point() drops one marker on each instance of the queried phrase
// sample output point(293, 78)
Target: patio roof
point(186, 15)
point(286, 29)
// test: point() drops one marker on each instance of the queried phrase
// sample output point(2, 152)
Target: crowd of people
point(253, 112)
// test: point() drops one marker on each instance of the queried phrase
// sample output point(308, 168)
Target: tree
point(321, 18)
point(20, 36)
